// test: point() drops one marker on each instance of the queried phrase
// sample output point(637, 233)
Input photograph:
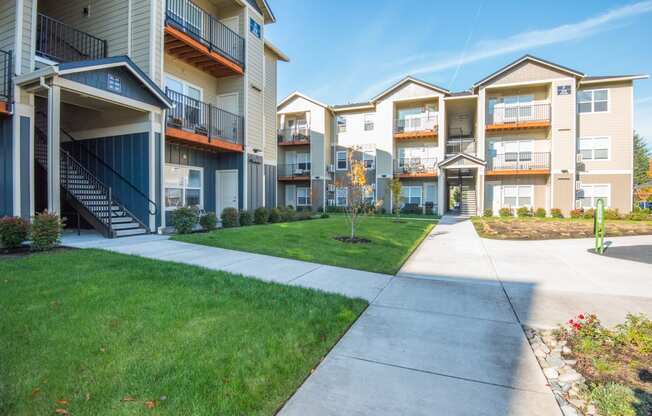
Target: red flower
point(581, 316)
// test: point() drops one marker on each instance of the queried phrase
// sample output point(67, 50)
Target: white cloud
point(520, 42)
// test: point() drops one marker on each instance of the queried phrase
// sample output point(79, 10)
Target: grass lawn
point(553, 228)
point(313, 240)
point(96, 333)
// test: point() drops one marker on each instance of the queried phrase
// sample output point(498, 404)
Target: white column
point(441, 192)
point(442, 136)
point(152, 170)
point(54, 127)
point(480, 191)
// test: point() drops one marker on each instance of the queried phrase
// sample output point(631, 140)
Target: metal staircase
point(88, 195)
point(468, 202)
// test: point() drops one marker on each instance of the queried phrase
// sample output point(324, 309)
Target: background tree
point(358, 191)
point(395, 188)
point(641, 160)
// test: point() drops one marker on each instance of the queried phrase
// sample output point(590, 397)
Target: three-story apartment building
point(124, 111)
point(533, 134)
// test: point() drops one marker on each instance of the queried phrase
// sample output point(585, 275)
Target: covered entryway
point(461, 176)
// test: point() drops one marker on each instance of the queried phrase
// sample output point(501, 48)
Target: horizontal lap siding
point(26, 64)
point(140, 34)
point(7, 24)
point(270, 106)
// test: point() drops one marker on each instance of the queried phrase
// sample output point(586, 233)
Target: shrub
point(612, 214)
point(577, 213)
point(274, 215)
point(636, 333)
point(639, 214)
point(335, 209)
point(588, 214)
point(506, 212)
point(246, 218)
point(540, 213)
point(46, 231)
point(488, 212)
point(524, 212)
point(288, 214)
point(303, 215)
point(614, 400)
point(230, 218)
point(261, 215)
point(429, 208)
point(208, 221)
point(556, 213)
point(13, 231)
point(325, 215)
point(411, 209)
point(184, 219)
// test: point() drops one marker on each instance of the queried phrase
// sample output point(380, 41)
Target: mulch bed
point(546, 230)
point(354, 240)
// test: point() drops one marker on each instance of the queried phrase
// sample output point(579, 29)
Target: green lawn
point(97, 333)
point(313, 240)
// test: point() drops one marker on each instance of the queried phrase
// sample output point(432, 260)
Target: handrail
point(519, 161)
point(412, 165)
point(416, 122)
point(518, 113)
point(293, 134)
point(59, 41)
point(99, 159)
point(293, 170)
point(5, 75)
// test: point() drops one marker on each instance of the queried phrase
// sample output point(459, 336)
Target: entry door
point(228, 102)
point(226, 192)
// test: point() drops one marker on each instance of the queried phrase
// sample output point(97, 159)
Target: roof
point(298, 94)
point(413, 80)
point(462, 156)
point(461, 93)
point(611, 78)
point(352, 106)
point(265, 10)
point(531, 58)
point(283, 57)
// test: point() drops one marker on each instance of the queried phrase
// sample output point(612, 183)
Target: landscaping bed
point(390, 243)
point(88, 332)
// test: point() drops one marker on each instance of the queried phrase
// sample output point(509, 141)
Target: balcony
point(518, 116)
point(456, 146)
point(519, 163)
point(294, 172)
point(59, 42)
point(415, 167)
point(417, 126)
point(6, 71)
point(195, 36)
point(296, 135)
point(194, 121)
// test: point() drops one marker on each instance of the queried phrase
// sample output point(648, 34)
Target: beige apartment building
point(533, 134)
point(122, 111)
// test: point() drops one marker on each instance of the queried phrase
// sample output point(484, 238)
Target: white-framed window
point(368, 160)
point(341, 159)
point(589, 195)
point(412, 195)
point(303, 161)
point(303, 196)
point(514, 150)
point(593, 101)
point(189, 109)
point(515, 196)
point(595, 148)
point(341, 197)
point(341, 124)
point(184, 186)
point(369, 121)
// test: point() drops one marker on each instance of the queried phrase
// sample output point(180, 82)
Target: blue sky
point(346, 51)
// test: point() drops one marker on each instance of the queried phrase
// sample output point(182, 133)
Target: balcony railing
point(292, 135)
point(505, 114)
point(6, 70)
point(294, 171)
point(203, 118)
point(415, 166)
point(416, 123)
point(467, 146)
point(60, 42)
point(206, 29)
point(519, 161)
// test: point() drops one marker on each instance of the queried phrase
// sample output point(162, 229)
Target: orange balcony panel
point(416, 175)
point(518, 172)
point(294, 178)
point(185, 48)
point(423, 134)
point(5, 108)
point(524, 125)
point(295, 143)
point(194, 138)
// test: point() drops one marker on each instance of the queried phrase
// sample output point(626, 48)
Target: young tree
point(358, 191)
point(641, 160)
point(395, 188)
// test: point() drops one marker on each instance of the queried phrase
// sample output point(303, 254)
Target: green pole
point(599, 227)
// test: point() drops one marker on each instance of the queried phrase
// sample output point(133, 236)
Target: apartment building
point(119, 112)
point(533, 134)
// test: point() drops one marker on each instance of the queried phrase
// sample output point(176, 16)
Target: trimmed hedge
point(246, 218)
point(506, 212)
point(46, 231)
point(230, 218)
point(13, 231)
point(540, 213)
point(274, 215)
point(184, 219)
point(208, 221)
point(556, 213)
point(261, 215)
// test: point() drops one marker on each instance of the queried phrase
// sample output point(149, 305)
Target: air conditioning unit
point(578, 158)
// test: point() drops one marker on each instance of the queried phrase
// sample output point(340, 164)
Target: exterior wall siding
point(140, 34)
point(254, 89)
point(254, 182)
point(131, 88)
point(26, 176)
point(6, 167)
point(270, 107)
point(27, 58)
point(7, 25)
point(270, 186)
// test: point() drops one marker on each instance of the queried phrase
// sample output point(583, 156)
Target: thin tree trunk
point(352, 226)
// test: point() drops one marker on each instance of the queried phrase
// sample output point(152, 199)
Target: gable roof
point(283, 57)
point(262, 7)
point(462, 156)
point(411, 79)
point(298, 94)
point(528, 58)
point(612, 78)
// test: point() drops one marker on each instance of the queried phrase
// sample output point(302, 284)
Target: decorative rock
point(569, 411)
point(570, 362)
point(591, 410)
point(565, 350)
point(555, 362)
point(570, 377)
point(578, 403)
point(550, 373)
point(540, 353)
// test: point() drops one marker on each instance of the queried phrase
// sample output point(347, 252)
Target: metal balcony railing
point(415, 166)
point(519, 161)
point(455, 146)
point(416, 123)
point(294, 170)
point(60, 42)
point(6, 71)
point(295, 134)
point(518, 113)
point(203, 118)
point(205, 28)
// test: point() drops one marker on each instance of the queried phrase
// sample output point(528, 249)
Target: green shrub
point(577, 213)
point(303, 215)
point(556, 213)
point(208, 221)
point(588, 214)
point(46, 231)
point(636, 333)
point(261, 215)
point(411, 209)
point(325, 215)
point(335, 209)
point(639, 214)
point(540, 213)
point(429, 208)
point(246, 218)
point(506, 212)
point(13, 231)
point(524, 212)
point(612, 214)
point(230, 218)
point(274, 215)
point(614, 400)
point(184, 219)
point(288, 214)
point(488, 212)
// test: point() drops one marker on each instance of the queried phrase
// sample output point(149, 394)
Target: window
point(590, 194)
point(342, 161)
point(594, 148)
point(187, 99)
point(303, 161)
point(113, 83)
point(341, 124)
point(593, 101)
point(515, 196)
point(412, 195)
point(368, 122)
point(368, 159)
point(341, 197)
point(515, 150)
point(183, 187)
point(369, 194)
point(254, 27)
point(303, 197)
